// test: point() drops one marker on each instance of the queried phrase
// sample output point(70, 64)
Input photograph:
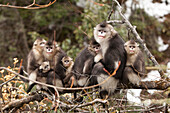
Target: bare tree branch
point(31, 6)
point(18, 103)
point(144, 85)
point(133, 29)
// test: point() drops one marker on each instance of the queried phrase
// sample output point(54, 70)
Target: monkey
point(112, 50)
point(40, 74)
point(35, 57)
point(53, 53)
point(57, 81)
point(68, 65)
point(46, 75)
point(84, 62)
point(51, 48)
point(134, 64)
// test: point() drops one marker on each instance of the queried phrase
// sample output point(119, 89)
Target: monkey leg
point(30, 87)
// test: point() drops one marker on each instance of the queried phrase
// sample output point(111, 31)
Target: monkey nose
point(41, 70)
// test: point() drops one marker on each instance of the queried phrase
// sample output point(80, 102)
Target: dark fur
point(112, 46)
point(59, 69)
point(51, 80)
point(115, 52)
point(84, 62)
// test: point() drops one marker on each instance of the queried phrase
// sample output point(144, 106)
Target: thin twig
point(111, 11)
point(61, 88)
point(133, 29)
point(31, 6)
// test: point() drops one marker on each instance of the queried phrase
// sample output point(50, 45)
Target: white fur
point(82, 81)
point(116, 64)
point(98, 57)
point(32, 76)
point(104, 46)
point(110, 85)
point(38, 56)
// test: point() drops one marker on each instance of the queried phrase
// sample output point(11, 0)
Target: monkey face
point(96, 48)
point(103, 32)
point(44, 67)
point(51, 47)
point(131, 48)
point(66, 61)
point(39, 44)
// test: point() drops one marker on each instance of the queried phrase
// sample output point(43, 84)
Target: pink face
point(131, 48)
point(96, 48)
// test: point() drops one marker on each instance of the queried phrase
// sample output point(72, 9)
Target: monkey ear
point(94, 28)
point(125, 45)
point(113, 32)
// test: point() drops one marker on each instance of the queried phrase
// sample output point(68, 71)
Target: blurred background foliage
point(73, 25)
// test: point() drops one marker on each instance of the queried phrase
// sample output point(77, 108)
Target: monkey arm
point(67, 78)
point(88, 66)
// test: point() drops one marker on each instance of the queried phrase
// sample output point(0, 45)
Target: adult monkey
point(135, 64)
point(112, 46)
point(35, 56)
point(84, 63)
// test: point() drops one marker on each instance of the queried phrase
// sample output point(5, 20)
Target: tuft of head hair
point(93, 41)
point(132, 42)
point(103, 24)
point(50, 42)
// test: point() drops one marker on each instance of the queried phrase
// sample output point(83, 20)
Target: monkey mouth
point(131, 51)
point(49, 52)
point(101, 37)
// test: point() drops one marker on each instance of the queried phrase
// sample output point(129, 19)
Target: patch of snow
point(81, 3)
point(152, 76)
point(133, 96)
point(152, 91)
point(168, 70)
point(128, 10)
point(153, 9)
point(162, 46)
point(147, 102)
point(168, 67)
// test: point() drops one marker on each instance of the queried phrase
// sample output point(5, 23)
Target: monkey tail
point(21, 72)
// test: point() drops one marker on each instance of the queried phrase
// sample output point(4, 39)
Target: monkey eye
point(66, 61)
point(46, 47)
point(46, 66)
point(99, 30)
point(130, 46)
point(133, 46)
point(104, 31)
